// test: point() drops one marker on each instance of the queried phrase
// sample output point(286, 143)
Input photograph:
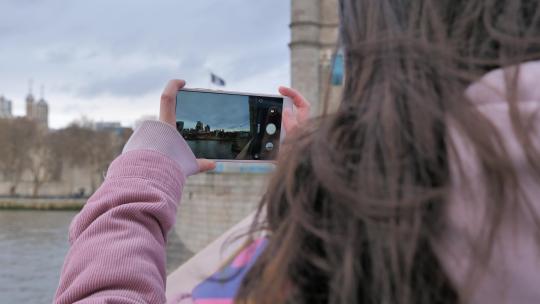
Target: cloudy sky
point(109, 60)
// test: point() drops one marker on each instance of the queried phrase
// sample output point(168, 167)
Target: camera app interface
point(229, 126)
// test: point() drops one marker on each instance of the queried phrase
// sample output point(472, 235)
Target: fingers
point(167, 109)
point(167, 114)
point(289, 120)
point(302, 105)
point(206, 165)
point(297, 98)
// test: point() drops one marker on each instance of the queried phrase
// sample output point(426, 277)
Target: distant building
point(37, 111)
point(41, 113)
point(113, 127)
point(5, 108)
point(142, 119)
point(199, 127)
point(180, 126)
point(316, 63)
point(30, 103)
point(107, 125)
point(207, 128)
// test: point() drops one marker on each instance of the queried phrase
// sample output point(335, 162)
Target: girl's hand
point(167, 114)
point(293, 119)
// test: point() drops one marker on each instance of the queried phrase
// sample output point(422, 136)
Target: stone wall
point(211, 204)
point(70, 183)
point(60, 204)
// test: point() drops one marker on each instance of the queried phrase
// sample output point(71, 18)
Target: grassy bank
point(41, 204)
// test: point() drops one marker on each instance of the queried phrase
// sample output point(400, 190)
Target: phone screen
point(230, 126)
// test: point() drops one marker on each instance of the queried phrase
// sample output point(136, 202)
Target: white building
point(37, 111)
point(107, 125)
point(5, 108)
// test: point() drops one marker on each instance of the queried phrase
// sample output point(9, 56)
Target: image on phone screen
point(227, 126)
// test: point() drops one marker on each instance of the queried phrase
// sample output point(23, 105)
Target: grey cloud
point(72, 109)
point(6, 30)
point(68, 55)
point(192, 62)
point(23, 2)
point(58, 56)
point(135, 84)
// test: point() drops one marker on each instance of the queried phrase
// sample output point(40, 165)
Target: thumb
point(206, 164)
point(167, 108)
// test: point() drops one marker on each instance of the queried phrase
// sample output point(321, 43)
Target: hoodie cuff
point(158, 136)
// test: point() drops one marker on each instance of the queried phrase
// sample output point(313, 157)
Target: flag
point(217, 80)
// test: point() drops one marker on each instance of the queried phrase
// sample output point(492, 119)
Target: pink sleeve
point(118, 240)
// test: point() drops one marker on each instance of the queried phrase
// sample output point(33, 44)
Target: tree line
point(28, 151)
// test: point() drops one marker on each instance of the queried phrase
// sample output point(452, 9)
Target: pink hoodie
point(117, 252)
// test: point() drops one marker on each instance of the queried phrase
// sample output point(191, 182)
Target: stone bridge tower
point(314, 36)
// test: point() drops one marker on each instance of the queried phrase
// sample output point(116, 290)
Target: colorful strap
point(221, 287)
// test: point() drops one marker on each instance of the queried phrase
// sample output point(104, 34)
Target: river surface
point(32, 249)
point(33, 245)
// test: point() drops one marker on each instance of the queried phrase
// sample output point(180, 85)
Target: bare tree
point(45, 159)
point(42, 154)
point(17, 137)
point(75, 144)
point(91, 149)
point(101, 155)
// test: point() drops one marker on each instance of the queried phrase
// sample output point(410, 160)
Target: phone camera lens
point(260, 101)
point(271, 129)
point(273, 111)
point(269, 146)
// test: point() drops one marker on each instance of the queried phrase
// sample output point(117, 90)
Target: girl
point(422, 188)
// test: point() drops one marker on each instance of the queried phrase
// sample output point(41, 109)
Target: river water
point(33, 245)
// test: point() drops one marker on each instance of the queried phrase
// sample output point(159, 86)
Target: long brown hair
point(358, 201)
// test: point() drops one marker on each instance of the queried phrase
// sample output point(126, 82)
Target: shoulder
point(224, 284)
point(208, 278)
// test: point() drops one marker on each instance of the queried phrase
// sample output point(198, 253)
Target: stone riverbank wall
point(21, 203)
point(211, 204)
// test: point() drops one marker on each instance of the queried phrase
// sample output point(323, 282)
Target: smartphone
point(231, 126)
